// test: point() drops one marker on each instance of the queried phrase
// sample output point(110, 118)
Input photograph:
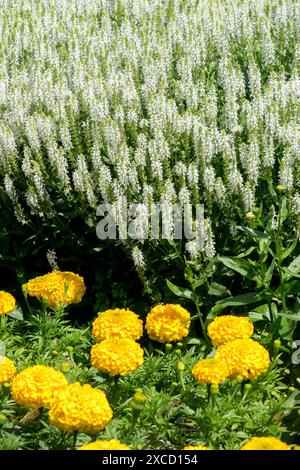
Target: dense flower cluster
point(113, 444)
point(117, 323)
point(226, 328)
point(265, 443)
point(7, 302)
point(80, 407)
point(244, 357)
point(153, 121)
point(57, 288)
point(210, 371)
point(167, 323)
point(7, 370)
point(36, 386)
point(117, 356)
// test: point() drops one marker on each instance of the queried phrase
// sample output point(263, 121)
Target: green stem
point(202, 324)
point(75, 434)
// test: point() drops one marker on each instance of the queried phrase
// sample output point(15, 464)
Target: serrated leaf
point(17, 313)
point(2, 348)
point(179, 291)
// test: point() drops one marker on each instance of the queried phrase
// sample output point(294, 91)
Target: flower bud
point(178, 352)
point(239, 379)
point(179, 345)
point(180, 366)
point(139, 397)
point(168, 346)
point(70, 349)
point(281, 187)
point(247, 387)
point(214, 389)
point(65, 367)
point(3, 419)
point(277, 345)
point(250, 215)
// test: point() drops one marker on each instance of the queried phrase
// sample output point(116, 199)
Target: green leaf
point(290, 288)
point(294, 267)
point(269, 273)
point(243, 299)
point(289, 250)
point(199, 283)
point(240, 265)
point(218, 290)
point(254, 233)
point(247, 252)
point(2, 348)
point(260, 313)
point(17, 313)
point(179, 291)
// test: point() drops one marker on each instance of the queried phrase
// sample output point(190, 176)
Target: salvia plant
point(182, 102)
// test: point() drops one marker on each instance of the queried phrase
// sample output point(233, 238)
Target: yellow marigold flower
point(244, 357)
point(210, 371)
point(195, 447)
point(80, 408)
point(57, 288)
point(166, 323)
point(117, 356)
point(7, 302)
point(113, 444)
point(35, 386)
point(229, 327)
point(265, 443)
point(117, 323)
point(7, 370)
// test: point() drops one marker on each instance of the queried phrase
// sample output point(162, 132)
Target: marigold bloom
point(167, 323)
point(244, 357)
point(117, 356)
point(265, 443)
point(117, 323)
point(36, 386)
point(195, 447)
point(229, 327)
point(113, 444)
point(210, 371)
point(57, 288)
point(80, 408)
point(7, 370)
point(7, 302)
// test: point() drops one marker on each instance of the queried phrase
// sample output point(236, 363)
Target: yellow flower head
point(7, 370)
point(57, 288)
point(80, 408)
point(167, 323)
point(7, 302)
point(265, 443)
point(195, 447)
point(117, 356)
point(210, 371)
point(117, 323)
point(113, 444)
point(227, 328)
point(244, 357)
point(36, 386)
